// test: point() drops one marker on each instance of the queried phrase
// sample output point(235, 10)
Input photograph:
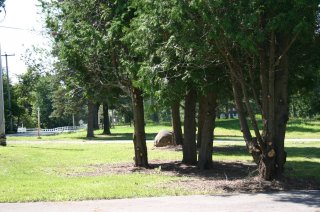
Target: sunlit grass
point(54, 171)
point(226, 129)
point(34, 172)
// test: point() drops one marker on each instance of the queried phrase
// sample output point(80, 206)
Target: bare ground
point(232, 176)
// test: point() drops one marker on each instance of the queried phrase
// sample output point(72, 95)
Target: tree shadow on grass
point(305, 152)
point(293, 125)
point(232, 124)
point(220, 170)
point(55, 149)
point(116, 136)
point(112, 137)
point(228, 138)
point(233, 176)
point(299, 173)
point(302, 129)
point(230, 150)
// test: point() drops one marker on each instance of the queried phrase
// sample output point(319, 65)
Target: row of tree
point(195, 51)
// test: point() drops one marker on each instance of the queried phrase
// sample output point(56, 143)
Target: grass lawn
point(77, 171)
point(226, 129)
point(53, 172)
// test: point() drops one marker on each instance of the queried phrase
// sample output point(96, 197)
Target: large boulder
point(164, 138)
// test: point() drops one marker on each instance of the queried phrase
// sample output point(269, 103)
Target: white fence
point(54, 130)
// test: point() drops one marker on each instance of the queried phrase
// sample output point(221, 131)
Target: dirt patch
point(224, 176)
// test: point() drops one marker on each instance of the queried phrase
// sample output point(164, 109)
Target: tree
point(88, 33)
point(15, 112)
point(176, 123)
point(207, 128)
point(305, 78)
point(79, 46)
point(2, 5)
point(253, 39)
point(106, 119)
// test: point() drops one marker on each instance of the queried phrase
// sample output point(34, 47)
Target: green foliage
point(37, 90)
point(16, 109)
point(2, 4)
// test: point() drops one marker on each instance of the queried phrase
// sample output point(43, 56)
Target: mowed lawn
point(59, 171)
point(226, 129)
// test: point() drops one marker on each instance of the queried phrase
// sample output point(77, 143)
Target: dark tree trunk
point(90, 129)
point(275, 107)
point(206, 149)
point(227, 111)
point(106, 119)
point(96, 117)
point(155, 117)
point(128, 119)
point(201, 117)
point(139, 137)
point(251, 143)
point(189, 143)
point(275, 156)
point(176, 123)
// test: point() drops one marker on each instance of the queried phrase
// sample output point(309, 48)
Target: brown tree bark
point(176, 123)
point(90, 129)
point(278, 110)
point(273, 73)
point(106, 120)
point(206, 149)
point(96, 117)
point(139, 137)
point(251, 143)
point(201, 117)
point(189, 145)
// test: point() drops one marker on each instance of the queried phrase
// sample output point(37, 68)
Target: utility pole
point(2, 121)
point(8, 90)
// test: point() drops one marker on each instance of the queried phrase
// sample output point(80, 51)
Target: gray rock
point(164, 138)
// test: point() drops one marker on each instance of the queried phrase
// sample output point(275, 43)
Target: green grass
point(56, 171)
point(226, 129)
point(51, 172)
point(296, 128)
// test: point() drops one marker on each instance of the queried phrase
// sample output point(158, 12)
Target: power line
point(18, 28)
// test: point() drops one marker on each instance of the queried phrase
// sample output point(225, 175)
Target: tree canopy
point(197, 53)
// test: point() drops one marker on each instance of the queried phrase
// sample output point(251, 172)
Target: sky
point(23, 14)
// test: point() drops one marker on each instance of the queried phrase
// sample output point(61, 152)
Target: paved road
point(281, 201)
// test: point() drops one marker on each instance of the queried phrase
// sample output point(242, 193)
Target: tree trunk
point(96, 117)
point(176, 123)
point(206, 149)
point(251, 144)
point(189, 144)
point(106, 120)
point(155, 117)
point(90, 129)
point(139, 137)
point(276, 109)
point(281, 110)
point(201, 117)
